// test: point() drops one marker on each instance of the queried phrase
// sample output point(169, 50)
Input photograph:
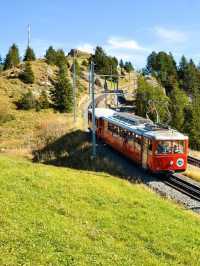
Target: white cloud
point(86, 47)
point(171, 35)
point(122, 43)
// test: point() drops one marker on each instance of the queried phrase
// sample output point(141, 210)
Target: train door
point(144, 153)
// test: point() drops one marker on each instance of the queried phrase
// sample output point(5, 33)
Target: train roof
point(139, 125)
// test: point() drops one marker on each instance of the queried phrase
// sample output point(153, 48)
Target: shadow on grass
point(74, 150)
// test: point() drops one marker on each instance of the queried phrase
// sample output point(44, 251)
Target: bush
point(27, 76)
point(85, 63)
point(27, 101)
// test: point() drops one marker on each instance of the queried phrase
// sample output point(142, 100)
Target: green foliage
point(60, 58)
point(147, 93)
point(43, 101)
point(51, 56)
point(189, 75)
point(195, 122)
point(62, 95)
point(27, 76)
point(104, 64)
point(178, 104)
point(54, 57)
point(128, 67)
point(29, 54)
point(121, 64)
point(27, 101)
point(163, 67)
point(12, 58)
point(85, 63)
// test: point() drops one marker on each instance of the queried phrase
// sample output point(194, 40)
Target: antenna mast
point(29, 35)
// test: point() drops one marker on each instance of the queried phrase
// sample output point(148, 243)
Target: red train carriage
point(157, 148)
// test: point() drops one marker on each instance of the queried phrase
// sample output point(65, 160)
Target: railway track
point(187, 187)
point(194, 161)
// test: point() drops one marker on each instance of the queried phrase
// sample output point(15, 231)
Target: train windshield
point(170, 147)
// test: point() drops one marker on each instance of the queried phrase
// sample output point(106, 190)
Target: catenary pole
point(74, 87)
point(29, 35)
point(93, 113)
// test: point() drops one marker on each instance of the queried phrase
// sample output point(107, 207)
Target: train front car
point(169, 151)
point(154, 147)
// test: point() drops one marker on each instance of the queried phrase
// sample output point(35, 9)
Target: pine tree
point(128, 67)
point(50, 56)
point(27, 76)
point(121, 64)
point(12, 58)
point(60, 58)
point(62, 96)
point(195, 122)
point(43, 101)
point(29, 54)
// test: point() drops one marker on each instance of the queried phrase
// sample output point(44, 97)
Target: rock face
point(153, 81)
point(78, 53)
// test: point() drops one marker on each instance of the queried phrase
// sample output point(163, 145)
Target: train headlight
point(180, 162)
point(171, 163)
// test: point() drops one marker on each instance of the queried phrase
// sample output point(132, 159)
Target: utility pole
point(89, 82)
point(74, 87)
point(29, 35)
point(93, 114)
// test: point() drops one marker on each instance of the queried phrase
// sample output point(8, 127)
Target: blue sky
point(127, 29)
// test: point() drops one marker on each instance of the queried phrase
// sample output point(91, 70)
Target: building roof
point(139, 125)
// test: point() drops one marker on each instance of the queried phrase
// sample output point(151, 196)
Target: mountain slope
point(61, 216)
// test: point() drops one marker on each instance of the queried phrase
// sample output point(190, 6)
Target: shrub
point(27, 101)
point(27, 76)
point(85, 63)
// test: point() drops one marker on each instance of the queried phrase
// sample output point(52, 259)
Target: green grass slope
point(60, 216)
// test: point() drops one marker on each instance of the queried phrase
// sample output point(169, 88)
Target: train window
point(150, 146)
point(164, 147)
point(89, 116)
point(114, 129)
point(138, 142)
point(178, 146)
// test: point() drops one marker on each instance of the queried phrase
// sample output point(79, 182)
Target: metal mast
point(93, 113)
point(74, 86)
point(29, 35)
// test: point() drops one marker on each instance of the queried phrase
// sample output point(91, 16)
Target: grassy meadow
point(61, 216)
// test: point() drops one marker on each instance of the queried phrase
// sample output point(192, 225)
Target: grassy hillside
point(57, 216)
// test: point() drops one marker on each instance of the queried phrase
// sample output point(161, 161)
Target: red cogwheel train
point(154, 147)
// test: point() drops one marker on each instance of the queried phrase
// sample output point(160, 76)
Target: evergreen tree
point(27, 76)
point(50, 56)
point(29, 54)
point(151, 63)
point(60, 58)
point(104, 64)
point(195, 122)
point(1, 65)
point(62, 96)
point(163, 67)
point(178, 103)
point(121, 64)
point(12, 58)
point(43, 101)
point(128, 67)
